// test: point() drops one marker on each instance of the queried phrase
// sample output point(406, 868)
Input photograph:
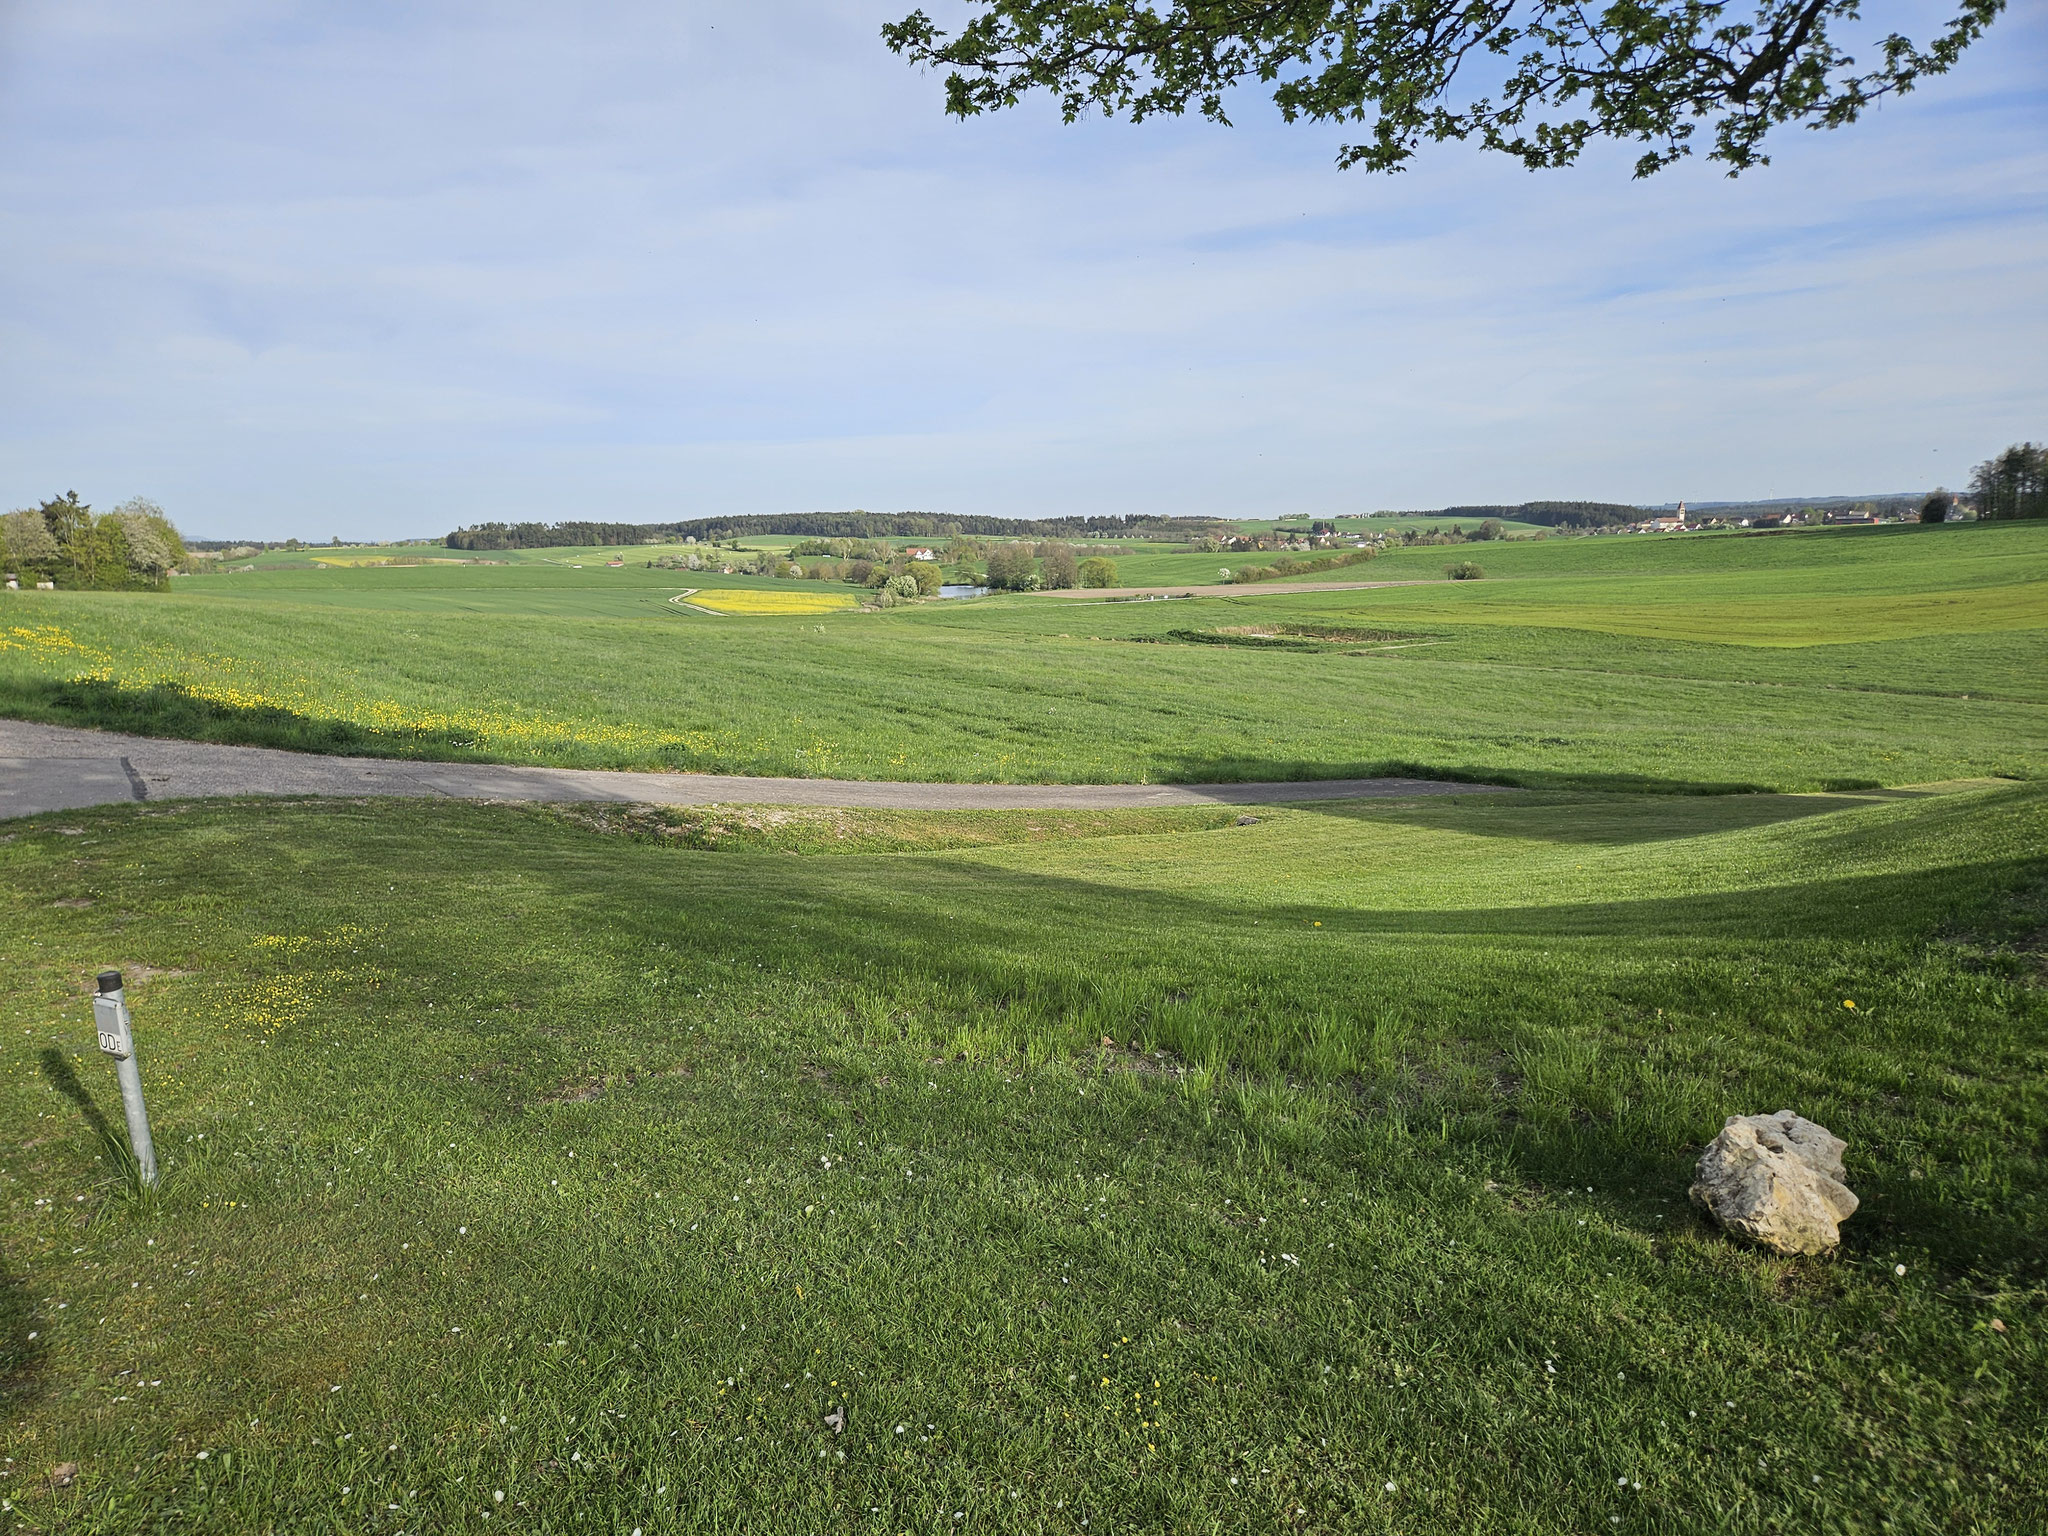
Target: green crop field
point(1320, 1169)
point(542, 1172)
point(1783, 661)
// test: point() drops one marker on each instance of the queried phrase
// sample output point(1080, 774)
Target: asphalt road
point(46, 768)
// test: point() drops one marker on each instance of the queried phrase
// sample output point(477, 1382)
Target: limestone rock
point(1776, 1181)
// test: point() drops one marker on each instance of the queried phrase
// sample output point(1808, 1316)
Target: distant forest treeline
point(1558, 514)
point(820, 525)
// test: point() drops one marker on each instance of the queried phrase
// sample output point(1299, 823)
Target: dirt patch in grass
point(582, 1089)
point(1111, 1057)
point(132, 975)
point(1341, 633)
point(1289, 636)
point(821, 830)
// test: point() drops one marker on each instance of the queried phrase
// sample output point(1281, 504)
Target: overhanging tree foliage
point(1551, 75)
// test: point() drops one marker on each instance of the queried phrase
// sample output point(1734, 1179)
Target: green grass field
point(547, 1171)
point(1787, 661)
point(559, 1169)
point(1139, 562)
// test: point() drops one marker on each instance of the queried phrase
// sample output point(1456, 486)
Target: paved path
point(54, 768)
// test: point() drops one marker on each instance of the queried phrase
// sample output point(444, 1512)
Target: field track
point(47, 768)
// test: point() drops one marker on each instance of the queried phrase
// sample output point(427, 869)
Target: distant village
point(1681, 521)
point(1606, 518)
point(1320, 535)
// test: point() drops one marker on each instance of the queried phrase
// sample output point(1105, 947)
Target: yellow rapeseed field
point(753, 602)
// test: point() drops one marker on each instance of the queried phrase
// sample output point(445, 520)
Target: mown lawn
point(1138, 1173)
point(1786, 662)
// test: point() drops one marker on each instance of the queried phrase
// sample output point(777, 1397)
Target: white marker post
point(110, 1014)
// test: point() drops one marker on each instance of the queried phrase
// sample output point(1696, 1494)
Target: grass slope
point(1112, 1173)
point(1787, 661)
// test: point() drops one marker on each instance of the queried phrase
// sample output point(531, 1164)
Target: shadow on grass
point(127, 1171)
point(1221, 769)
point(58, 1070)
point(170, 710)
point(1528, 1033)
point(22, 1353)
point(973, 939)
point(1897, 1213)
point(1612, 821)
point(1809, 909)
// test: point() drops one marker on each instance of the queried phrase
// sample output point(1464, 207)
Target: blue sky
point(385, 269)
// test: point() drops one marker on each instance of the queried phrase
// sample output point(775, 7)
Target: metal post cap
point(110, 981)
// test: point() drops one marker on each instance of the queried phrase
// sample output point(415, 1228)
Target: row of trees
point(844, 549)
point(922, 577)
point(1050, 567)
point(857, 525)
point(1558, 514)
point(1287, 565)
point(1009, 566)
point(2015, 484)
point(64, 542)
